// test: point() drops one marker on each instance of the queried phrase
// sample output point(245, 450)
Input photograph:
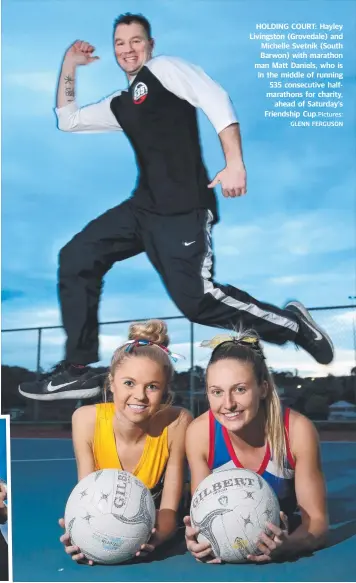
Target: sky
point(292, 236)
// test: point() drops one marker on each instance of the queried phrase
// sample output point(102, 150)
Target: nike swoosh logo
point(318, 336)
point(52, 388)
point(303, 311)
point(187, 243)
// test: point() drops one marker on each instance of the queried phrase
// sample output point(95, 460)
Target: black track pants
point(180, 248)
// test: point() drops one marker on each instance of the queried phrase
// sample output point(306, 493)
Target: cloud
point(241, 238)
point(318, 278)
point(290, 279)
point(347, 317)
point(319, 231)
point(39, 82)
point(307, 233)
point(11, 294)
point(30, 316)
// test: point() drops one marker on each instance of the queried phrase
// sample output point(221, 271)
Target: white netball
point(109, 515)
point(231, 508)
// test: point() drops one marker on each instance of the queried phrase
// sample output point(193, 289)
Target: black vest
point(163, 131)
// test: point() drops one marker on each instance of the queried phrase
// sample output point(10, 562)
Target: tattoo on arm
point(69, 92)
point(68, 79)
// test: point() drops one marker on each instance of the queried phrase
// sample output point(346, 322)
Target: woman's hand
point(150, 546)
point(3, 507)
point(165, 528)
point(202, 552)
point(3, 493)
point(273, 545)
point(72, 550)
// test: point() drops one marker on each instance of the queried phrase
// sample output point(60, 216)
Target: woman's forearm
point(308, 539)
point(166, 525)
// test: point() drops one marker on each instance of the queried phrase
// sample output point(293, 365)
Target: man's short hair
point(128, 18)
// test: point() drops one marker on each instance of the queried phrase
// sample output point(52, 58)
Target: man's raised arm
point(92, 118)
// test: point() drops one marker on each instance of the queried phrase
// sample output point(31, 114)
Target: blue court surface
point(43, 474)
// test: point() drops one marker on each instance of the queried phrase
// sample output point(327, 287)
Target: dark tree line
point(311, 396)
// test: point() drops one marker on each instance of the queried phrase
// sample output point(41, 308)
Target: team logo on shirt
point(140, 93)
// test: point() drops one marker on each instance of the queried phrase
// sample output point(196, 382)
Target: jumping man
point(170, 215)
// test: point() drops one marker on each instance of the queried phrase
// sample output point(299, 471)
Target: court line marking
point(338, 442)
point(42, 438)
point(69, 459)
point(69, 439)
point(54, 459)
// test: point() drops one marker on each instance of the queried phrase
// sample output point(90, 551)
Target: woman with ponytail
point(136, 428)
point(246, 427)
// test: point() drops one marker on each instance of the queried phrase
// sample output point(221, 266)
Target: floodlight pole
point(352, 298)
point(191, 384)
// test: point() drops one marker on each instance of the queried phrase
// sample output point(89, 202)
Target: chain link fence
point(27, 352)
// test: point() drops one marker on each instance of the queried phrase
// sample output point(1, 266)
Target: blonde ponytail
point(275, 433)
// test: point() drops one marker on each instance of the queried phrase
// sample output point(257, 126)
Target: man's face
point(132, 47)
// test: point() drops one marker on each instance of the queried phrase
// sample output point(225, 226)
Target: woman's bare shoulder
point(302, 431)
point(180, 415)
point(298, 422)
point(84, 415)
point(172, 415)
point(200, 426)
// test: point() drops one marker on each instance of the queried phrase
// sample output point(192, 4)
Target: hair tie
point(249, 341)
point(131, 344)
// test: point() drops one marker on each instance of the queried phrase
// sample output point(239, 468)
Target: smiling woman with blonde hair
point(247, 427)
point(136, 428)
